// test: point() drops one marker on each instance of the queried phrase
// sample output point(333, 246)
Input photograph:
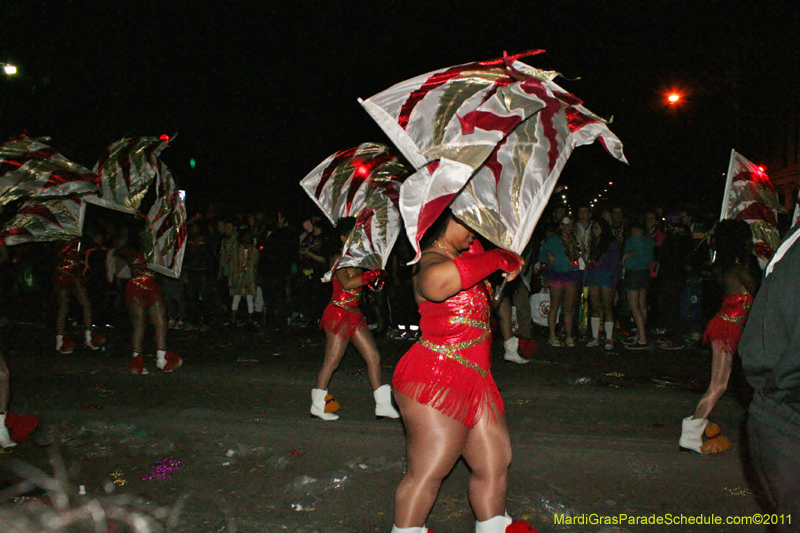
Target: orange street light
point(674, 98)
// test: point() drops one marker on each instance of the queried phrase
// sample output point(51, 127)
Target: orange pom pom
point(712, 430)
point(331, 405)
point(718, 444)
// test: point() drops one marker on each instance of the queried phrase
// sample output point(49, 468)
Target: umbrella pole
point(499, 292)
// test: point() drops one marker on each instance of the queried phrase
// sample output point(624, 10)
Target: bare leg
point(365, 344)
point(556, 296)
point(62, 299)
point(570, 297)
point(488, 453)
point(434, 443)
point(643, 308)
point(607, 296)
point(504, 317)
point(595, 301)
point(634, 304)
point(80, 294)
point(5, 387)
point(721, 361)
point(136, 311)
point(335, 345)
point(158, 317)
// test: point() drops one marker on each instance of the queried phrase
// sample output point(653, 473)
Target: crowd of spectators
point(607, 268)
point(257, 270)
point(642, 277)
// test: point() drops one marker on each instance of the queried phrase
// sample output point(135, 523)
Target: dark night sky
point(261, 92)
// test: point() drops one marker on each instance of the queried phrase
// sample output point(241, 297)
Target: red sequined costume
point(69, 270)
point(728, 324)
point(342, 315)
point(142, 289)
point(449, 368)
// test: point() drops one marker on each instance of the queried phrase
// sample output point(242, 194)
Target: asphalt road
point(594, 437)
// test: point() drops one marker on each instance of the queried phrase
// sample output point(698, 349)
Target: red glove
point(370, 276)
point(474, 268)
point(475, 248)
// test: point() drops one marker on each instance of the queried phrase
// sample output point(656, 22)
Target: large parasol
point(750, 196)
point(490, 138)
point(134, 180)
point(362, 182)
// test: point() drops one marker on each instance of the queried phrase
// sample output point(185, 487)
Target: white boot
point(383, 402)
point(692, 434)
point(396, 529)
point(318, 405)
point(512, 352)
point(5, 438)
point(498, 524)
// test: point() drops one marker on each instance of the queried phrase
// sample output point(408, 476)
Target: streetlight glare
point(10, 70)
point(674, 98)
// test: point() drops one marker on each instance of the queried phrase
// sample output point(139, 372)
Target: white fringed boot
point(318, 405)
point(692, 434)
point(497, 524)
point(512, 352)
point(383, 402)
point(5, 438)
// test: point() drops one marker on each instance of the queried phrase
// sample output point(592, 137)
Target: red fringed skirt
point(64, 281)
point(727, 325)
point(342, 321)
point(449, 369)
point(342, 316)
point(459, 391)
point(143, 291)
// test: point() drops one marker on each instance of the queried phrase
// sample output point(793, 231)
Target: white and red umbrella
point(43, 189)
point(487, 138)
point(362, 182)
point(750, 196)
point(129, 171)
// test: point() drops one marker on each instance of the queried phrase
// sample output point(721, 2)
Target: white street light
point(10, 70)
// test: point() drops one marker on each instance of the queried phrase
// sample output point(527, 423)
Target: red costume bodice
point(344, 298)
point(736, 308)
point(69, 269)
point(728, 324)
point(449, 367)
point(143, 285)
point(460, 322)
point(342, 315)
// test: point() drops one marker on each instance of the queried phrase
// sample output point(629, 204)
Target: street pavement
point(594, 436)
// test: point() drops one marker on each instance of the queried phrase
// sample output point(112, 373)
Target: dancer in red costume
point(143, 298)
point(68, 279)
point(343, 323)
point(733, 245)
point(14, 428)
point(449, 401)
point(5, 436)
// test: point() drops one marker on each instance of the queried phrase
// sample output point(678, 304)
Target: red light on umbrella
point(362, 171)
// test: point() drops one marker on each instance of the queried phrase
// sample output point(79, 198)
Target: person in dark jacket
point(770, 351)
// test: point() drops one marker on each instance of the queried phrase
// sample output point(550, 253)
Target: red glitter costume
point(142, 289)
point(342, 315)
point(728, 324)
point(449, 368)
point(69, 270)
